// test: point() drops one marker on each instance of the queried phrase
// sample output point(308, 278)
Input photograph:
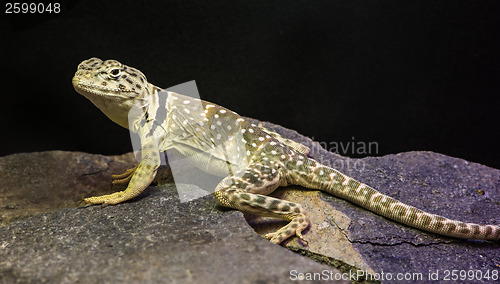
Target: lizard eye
point(115, 72)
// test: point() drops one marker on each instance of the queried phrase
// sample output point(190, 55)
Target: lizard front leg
point(125, 177)
point(140, 178)
point(244, 192)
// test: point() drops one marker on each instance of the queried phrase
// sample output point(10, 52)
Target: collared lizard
point(261, 160)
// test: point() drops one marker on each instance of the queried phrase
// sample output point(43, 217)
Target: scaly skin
point(260, 160)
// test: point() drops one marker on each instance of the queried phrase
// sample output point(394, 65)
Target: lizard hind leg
point(246, 193)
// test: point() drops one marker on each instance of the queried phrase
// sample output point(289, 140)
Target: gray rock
point(152, 239)
point(34, 183)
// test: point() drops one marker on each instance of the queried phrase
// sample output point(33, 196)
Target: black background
point(409, 75)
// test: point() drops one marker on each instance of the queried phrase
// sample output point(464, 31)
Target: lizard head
point(111, 86)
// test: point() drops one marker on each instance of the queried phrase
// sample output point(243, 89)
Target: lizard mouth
point(85, 89)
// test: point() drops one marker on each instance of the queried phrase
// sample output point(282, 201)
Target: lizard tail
point(334, 182)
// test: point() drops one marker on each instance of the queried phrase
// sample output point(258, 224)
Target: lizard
point(260, 161)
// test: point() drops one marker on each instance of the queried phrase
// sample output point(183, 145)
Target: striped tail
point(334, 182)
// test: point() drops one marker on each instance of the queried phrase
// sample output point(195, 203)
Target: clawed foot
point(295, 227)
point(114, 198)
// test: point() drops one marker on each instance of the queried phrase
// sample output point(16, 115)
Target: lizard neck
point(143, 109)
point(119, 111)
